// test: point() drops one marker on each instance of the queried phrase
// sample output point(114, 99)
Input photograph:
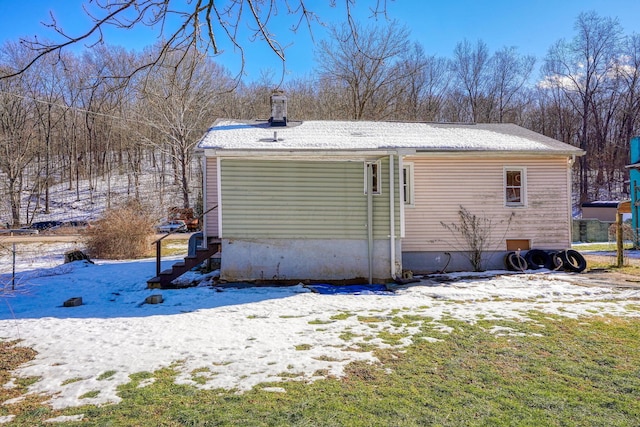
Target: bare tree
point(17, 141)
point(510, 73)
point(471, 69)
point(46, 90)
point(178, 105)
point(579, 68)
point(206, 25)
point(423, 90)
point(628, 73)
point(366, 64)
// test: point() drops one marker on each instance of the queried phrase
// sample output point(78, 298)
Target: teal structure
point(634, 185)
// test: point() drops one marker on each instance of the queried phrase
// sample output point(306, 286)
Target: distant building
point(601, 210)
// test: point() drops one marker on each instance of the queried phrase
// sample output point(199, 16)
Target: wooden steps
point(163, 281)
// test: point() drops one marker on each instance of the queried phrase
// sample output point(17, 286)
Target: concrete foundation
point(305, 260)
point(433, 262)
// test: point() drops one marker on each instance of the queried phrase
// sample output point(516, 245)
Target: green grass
point(174, 247)
point(320, 322)
point(342, 316)
point(303, 347)
point(72, 380)
point(549, 371)
point(600, 246)
point(90, 394)
point(106, 375)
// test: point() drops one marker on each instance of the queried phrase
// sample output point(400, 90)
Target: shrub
point(627, 232)
point(474, 235)
point(124, 232)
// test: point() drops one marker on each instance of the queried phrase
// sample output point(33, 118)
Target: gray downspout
point(370, 220)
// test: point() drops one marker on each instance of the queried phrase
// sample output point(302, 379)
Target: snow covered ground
point(88, 202)
point(243, 337)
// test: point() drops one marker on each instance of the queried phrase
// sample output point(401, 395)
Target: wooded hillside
point(79, 118)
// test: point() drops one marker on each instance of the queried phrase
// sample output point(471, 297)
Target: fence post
point(158, 246)
point(619, 239)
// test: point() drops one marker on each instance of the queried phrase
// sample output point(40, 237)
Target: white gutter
point(392, 217)
point(219, 188)
point(299, 153)
point(569, 201)
point(400, 188)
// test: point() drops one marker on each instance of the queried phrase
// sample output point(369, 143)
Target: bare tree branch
point(204, 24)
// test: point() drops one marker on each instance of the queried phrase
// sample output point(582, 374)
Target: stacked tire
point(572, 260)
point(515, 262)
point(534, 259)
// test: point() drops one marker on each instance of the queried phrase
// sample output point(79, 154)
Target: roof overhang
point(290, 154)
point(400, 151)
point(499, 153)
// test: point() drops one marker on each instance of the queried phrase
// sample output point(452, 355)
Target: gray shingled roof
point(239, 135)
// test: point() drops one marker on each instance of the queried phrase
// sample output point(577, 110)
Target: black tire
point(515, 262)
point(556, 261)
point(537, 258)
point(572, 261)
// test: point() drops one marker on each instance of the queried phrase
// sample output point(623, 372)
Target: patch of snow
point(274, 389)
point(65, 418)
point(237, 338)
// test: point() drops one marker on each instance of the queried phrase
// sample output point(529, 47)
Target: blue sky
point(530, 25)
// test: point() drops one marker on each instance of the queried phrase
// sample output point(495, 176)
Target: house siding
point(444, 184)
point(305, 219)
point(211, 195)
point(301, 199)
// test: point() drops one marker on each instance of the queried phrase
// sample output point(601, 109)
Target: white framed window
point(407, 184)
point(375, 174)
point(515, 188)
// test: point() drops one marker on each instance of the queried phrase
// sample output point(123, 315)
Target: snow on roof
point(237, 135)
point(601, 204)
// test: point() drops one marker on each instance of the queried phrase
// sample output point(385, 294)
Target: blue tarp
point(326, 289)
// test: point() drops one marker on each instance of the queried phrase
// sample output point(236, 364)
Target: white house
point(357, 200)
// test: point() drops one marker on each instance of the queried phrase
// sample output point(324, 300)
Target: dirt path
point(608, 277)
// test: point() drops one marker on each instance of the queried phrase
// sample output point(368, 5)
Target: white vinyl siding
point(299, 199)
point(444, 184)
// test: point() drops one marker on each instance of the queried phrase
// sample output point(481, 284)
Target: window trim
point(377, 178)
point(523, 186)
point(408, 187)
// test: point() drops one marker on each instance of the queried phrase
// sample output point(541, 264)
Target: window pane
point(513, 195)
point(374, 172)
point(374, 169)
point(513, 179)
point(405, 185)
point(513, 186)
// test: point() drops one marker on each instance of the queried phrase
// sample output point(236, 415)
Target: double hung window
point(515, 189)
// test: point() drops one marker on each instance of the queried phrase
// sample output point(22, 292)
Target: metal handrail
point(158, 242)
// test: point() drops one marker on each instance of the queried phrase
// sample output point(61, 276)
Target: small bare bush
point(474, 235)
point(123, 233)
point(627, 232)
